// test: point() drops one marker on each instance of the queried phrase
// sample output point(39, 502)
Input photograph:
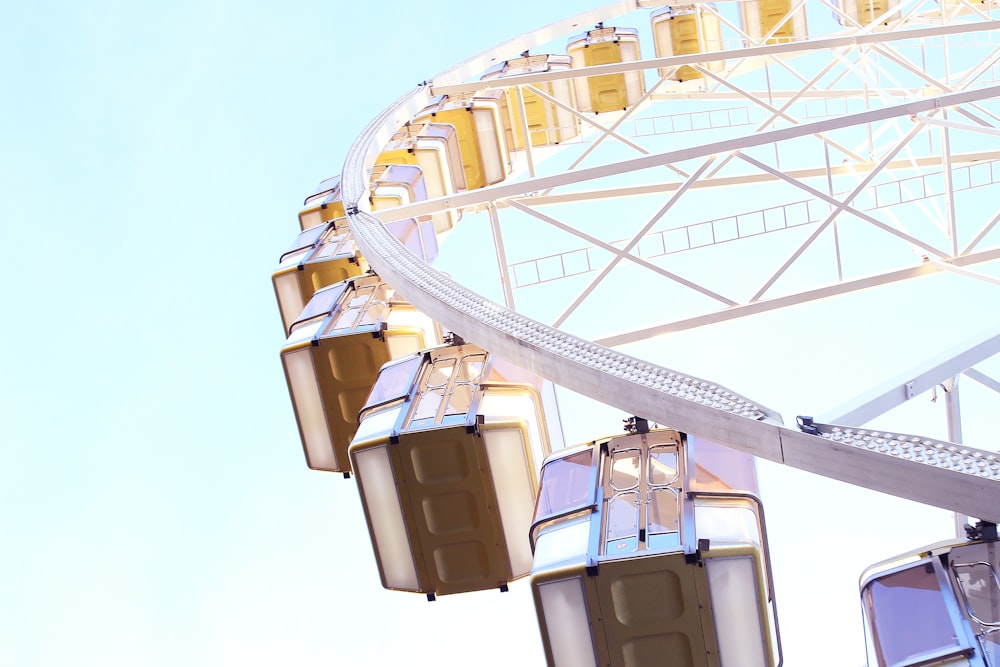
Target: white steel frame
point(967, 480)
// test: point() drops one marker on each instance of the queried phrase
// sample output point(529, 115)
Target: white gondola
point(938, 605)
point(445, 457)
point(775, 18)
point(323, 205)
point(320, 256)
point(334, 353)
point(649, 548)
point(683, 30)
point(479, 120)
point(606, 46)
point(547, 122)
point(863, 12)
point(434, 148)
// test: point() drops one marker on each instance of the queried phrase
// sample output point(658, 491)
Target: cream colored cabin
point(333, 355)
point(771, 18)
point(320, 256)
point(683, 30)
point(649, 549)
point(938, 605)
point(605, 46)
point(547, 122)
point(323, 205)
point(864, 12)
point(395, 185)
point(479, 120)
point(445, 457)
point(434, 148)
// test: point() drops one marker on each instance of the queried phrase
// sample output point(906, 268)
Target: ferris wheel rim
point(651, 390)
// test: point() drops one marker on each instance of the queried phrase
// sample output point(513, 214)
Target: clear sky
point(155, 507)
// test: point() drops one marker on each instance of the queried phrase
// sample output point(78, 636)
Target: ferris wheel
point(646, 169)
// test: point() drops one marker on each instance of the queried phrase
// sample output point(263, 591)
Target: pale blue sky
point(155, 508)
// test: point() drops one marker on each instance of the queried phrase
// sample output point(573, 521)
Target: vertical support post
point(953, 411)
point(829, 191)
point(508, 292)
point(949, 187)
point(523, 117)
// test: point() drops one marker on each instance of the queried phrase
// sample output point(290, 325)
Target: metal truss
point(902, 153)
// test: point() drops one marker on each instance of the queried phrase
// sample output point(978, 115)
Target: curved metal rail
point(962, 479)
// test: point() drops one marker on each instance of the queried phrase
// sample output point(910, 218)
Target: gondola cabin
point(863, 12)
point(434, 148)
point(445, 457)
point(332, 356)
point(547, 123)
point(649, 548)
point(323, 205)
point(320, 256)
point(479, 120)
point(606, 46)
point(939, 605)
point(684, 30)
point(395, 185)
point(773, 20)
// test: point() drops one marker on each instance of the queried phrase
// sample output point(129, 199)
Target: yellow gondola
point(644, 556)
point(547, 122)
point(332, 356)
point(763, 17)
point(937, 605)
point(445, 458)
point(434, 148)
point(863, 12)
point(687, 29)
point(320, 256)
point(479, 120)
point(323, 205)
point(605, 46)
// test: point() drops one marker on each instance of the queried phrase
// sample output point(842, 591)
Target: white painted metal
point(959, 478)
point(446, 86)
point(521, 187)
point(922, 377)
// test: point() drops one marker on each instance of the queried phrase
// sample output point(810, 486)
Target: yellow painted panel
point(462, 563)
point(441, 462)
point(357, 358)
point(652, 603)
point(648, 597)
point(643, 651)
point(685, 37)
point(771, 13)
point(607, 91)
point(320, 213)
point(451, 498)
point(353, 359)
point(448, 513)
point(317, 275)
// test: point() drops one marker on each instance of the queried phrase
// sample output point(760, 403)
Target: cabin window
point(319, 305)
point(979, 585)
point(981, 591)
point(365, 307)
point(447, 390)
point(306, 239)
point(643, 507)
point(335, 244)
point(394, 382)
point(909, 616)
point(566, 484)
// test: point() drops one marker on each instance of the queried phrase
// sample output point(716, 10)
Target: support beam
point(915, 381)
